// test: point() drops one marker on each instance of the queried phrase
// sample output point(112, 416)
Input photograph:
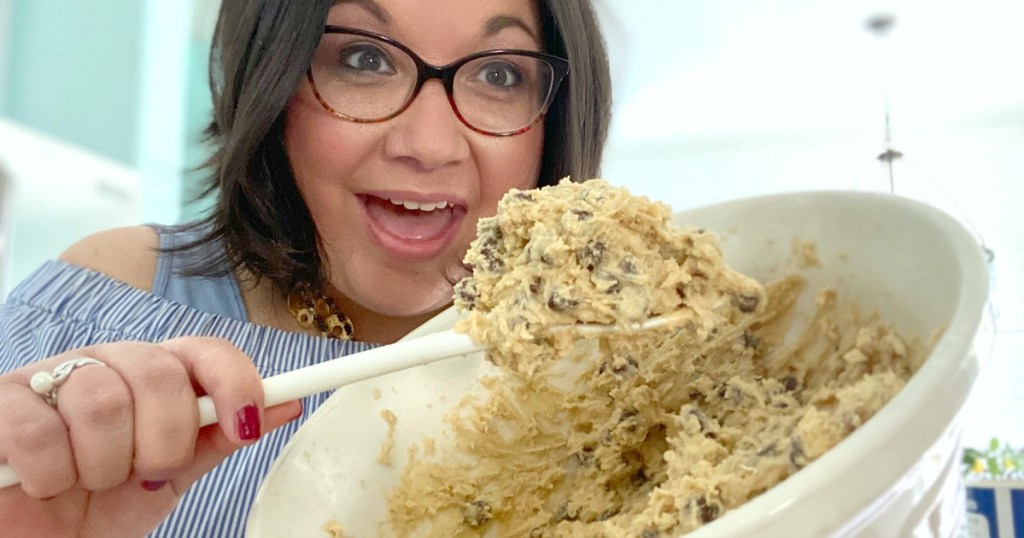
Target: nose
point(428, 132)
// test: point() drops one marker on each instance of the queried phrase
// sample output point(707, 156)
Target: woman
point(345, 201)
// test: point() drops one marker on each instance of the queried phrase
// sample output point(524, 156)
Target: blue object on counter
point(995, 510)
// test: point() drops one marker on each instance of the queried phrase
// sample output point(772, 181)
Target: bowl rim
point(950, 369)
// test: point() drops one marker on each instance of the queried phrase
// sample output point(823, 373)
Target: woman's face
point(359, 179)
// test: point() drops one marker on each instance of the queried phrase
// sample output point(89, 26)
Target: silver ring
point(46, 384)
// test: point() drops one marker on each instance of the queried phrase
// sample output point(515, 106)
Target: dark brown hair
point(261, 50)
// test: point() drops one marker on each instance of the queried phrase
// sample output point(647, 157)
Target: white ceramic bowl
point(898, 475)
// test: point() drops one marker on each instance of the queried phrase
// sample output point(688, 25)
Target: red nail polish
point(248, 422)
point(153, 485)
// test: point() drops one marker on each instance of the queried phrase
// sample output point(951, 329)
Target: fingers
point(35, 442)
point(96, 406)
point(135, 419)
point(135, 412)
point(213, 446)
point(161, 422)
point(228, 376)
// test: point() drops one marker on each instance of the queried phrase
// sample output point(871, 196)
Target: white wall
point(112, 77)
point(163, 108)
point(5, 32)
point(58, 193)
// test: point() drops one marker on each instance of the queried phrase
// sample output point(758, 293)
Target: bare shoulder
point(125, 254)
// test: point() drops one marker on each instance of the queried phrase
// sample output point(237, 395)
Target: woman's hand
point(124, 442)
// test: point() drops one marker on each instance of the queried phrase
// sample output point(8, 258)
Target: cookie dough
point(590, 253)
point(643, 433)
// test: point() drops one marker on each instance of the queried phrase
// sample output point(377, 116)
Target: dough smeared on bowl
point(639, 433)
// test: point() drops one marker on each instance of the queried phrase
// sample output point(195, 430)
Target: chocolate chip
point(491, 235)
point(619, 366)
point(591, 255)
point(628, 422)
point(702, 419)
point(790, 383)
point(585, 457)
point(489, 245)
point(603, 275)
point(707, 512)
point(465, 291)
point(524, 196)
point(746, 302)
point(797, 456)
point(492, 263)
point(535, 284)
point(750, 341)
point(582, 214)
point(639, 477)
point(477, 513)
point(560, 304)
point(567, 512)
point(626, 366)
point(730, 392)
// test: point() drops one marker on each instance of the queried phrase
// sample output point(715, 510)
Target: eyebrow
point(494, 25)
point(500, 22)
point(371, 6)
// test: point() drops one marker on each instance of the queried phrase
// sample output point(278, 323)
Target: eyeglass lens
point(368, 79)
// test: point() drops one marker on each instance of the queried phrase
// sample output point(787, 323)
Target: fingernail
point(248, 422)
point(153, 485)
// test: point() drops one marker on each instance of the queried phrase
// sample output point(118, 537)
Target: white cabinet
point(52, 194)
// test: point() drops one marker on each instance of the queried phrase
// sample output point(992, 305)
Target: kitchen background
point(102, 102)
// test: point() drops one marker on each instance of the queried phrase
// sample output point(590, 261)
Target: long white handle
point(356, 367)
point(336, 373)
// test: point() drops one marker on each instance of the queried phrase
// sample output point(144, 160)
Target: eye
point(501, 74)
point(366, 58)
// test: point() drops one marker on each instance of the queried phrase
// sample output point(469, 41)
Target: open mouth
point(409, 220)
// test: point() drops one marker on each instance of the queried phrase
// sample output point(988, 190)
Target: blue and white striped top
point(61, 307)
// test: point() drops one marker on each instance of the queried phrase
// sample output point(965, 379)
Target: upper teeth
point(422, 206)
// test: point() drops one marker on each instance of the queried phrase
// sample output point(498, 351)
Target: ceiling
point(684, 68)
